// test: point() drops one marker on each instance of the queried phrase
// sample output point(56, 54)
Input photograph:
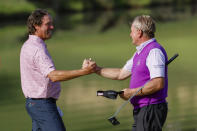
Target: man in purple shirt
point(39, 78)
point(146, 68)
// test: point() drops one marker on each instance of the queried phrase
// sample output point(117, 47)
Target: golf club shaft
point(171, 59)
point(118, 110)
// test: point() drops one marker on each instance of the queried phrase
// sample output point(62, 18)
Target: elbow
point(53, 80)
point(121, 78)
point(124, 75)
point(52, 77)
point(160, 86)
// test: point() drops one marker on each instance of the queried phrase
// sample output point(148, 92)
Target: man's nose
point(51, 27)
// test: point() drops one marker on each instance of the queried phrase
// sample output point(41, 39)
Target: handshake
point(90, 66)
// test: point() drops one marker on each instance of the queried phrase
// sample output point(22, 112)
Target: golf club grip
point(118, 110)
point(120, 92)
point(171, 59)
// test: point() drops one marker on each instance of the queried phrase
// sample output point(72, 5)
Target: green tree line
point(20, 6)
point(85, 5)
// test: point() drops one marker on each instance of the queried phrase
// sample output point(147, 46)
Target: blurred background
point(99, 29)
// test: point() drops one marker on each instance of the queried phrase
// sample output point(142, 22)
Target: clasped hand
point(89, 65)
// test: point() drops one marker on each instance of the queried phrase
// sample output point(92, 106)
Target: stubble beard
point(49, 34)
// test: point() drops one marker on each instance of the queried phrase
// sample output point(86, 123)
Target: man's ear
point(140, 33)
point(36, 27)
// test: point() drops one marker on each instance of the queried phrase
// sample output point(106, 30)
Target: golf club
point(113, 119)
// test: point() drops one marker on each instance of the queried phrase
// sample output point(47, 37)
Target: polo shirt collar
point(36, 38)
point(141, 46)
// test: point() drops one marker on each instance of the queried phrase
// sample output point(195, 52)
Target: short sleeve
point(129, 64)
point(156, 63)
point(44, 62)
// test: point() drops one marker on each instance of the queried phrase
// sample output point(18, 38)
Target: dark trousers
point(150, 118)
point(44, 115)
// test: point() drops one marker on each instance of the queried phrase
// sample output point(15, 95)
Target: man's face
point(44, 31)
point(135, 35)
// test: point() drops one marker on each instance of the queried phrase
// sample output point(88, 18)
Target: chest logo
point(138, 63)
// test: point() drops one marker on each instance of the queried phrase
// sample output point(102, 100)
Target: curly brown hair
point(35, 19)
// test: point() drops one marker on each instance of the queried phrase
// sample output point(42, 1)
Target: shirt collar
point(141, 46)
point(36, 38)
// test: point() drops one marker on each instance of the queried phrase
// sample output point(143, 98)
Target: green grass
point(83, 110)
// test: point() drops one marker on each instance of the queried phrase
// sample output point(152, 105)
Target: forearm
point(64, 75)
point(151, 87)
point(111, 73)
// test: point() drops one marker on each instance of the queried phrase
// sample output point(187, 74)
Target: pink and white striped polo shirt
point(35, 65)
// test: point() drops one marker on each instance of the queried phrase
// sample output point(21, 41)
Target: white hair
point(146, 24)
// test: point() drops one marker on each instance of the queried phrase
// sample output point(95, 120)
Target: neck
point(142, 40)
point(36, 34)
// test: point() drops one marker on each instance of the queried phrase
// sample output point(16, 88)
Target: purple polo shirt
point(141, 75)
point(35, 65)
